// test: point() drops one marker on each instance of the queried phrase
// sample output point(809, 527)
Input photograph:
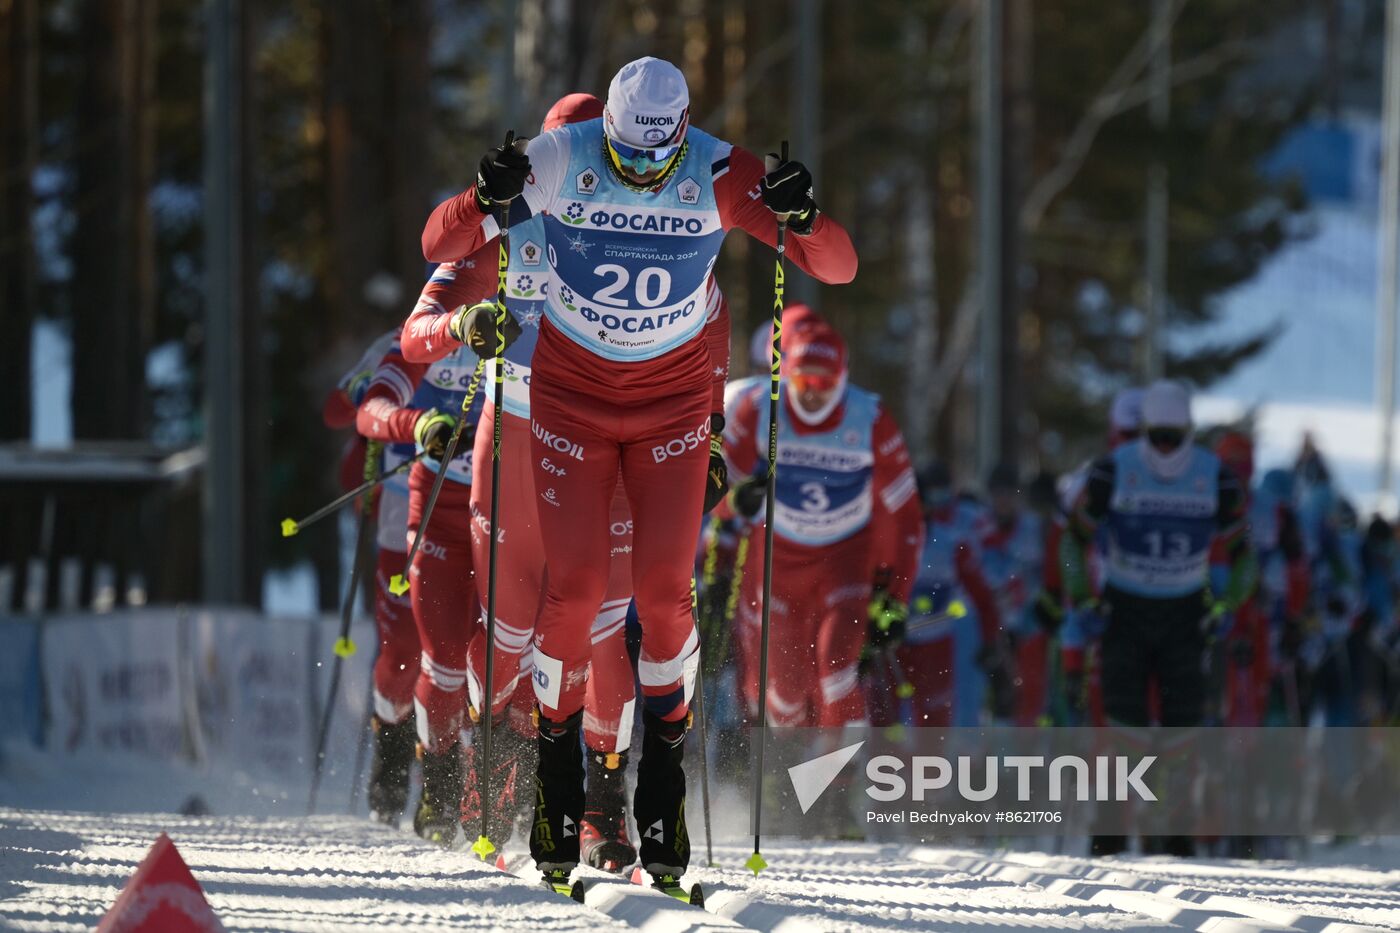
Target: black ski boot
point(439, 810)
point(513, 764)
point(558, 798)
point(603, 832)
point(659, 802)
point(388, 769)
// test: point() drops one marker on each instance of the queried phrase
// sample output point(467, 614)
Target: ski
point(558, 882)
point(671, 886)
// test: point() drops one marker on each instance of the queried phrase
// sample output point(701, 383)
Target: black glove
point(433, 431)
point(717, 479)
point(1048, 613)
point(501, 175)
point(787, 191)
point(888, 619)
point(475, 326)
point(748, 496)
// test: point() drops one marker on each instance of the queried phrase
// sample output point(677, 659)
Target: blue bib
point(825, 481)
point(443, 387)
point(1013, 569)
point(628, 268)
point(1159, 531)
point(527, 283)
point(936, 584)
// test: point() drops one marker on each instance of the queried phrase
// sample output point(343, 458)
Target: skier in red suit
point(846, 529)
point(635, 206)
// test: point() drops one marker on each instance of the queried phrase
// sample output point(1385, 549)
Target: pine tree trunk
point(113, 249)
point(409, 118)
point(19, 90)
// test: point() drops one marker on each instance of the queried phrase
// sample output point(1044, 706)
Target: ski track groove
point(60, 871)
point(1178, 898)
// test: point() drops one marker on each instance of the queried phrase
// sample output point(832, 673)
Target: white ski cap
point(1126, 412)
point(1166, 404)
point(648, 104)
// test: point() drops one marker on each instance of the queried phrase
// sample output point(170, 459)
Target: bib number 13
point(651, 288)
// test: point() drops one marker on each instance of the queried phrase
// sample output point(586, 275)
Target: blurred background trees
point(360, 114)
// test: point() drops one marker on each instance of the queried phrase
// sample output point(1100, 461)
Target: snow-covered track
point(1186, 893)
point(61, 871)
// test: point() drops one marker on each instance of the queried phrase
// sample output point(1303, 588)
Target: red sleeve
point(337, 411)
point(385, 414)
point(970, 576)
point(899, 520)
point(425, 338)
point(826, 253)
point(740, 436)
point(454, 229)
point(717, 337)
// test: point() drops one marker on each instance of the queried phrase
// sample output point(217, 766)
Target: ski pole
point(344, 647)
point(704, 738)
point(291, 526)
point(483, 847)
point(398, 583)
point(755, 862)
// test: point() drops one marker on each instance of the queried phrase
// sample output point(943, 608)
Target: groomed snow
point(61, 870)
point(74, 827)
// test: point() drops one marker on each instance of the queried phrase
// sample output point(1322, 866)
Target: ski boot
point(603, 833)
point(558, 799)
point(658, 805)
point(388, 770)
point(439, 810)
point(512, 780)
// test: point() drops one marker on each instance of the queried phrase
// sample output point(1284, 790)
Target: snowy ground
point(72, 830)
point(61, 870)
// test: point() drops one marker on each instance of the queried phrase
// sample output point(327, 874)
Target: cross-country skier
point(954, 623)
point(610, 699)
point(396, 662)
point(414, 405)
point(1161, 501)
point(1013, 562)
point(635, 207)
point(1079, 650)
point(1274, 535)
point(846, 529)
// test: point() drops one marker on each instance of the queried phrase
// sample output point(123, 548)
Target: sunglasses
point(641, 161)
point(803, 383)
point(1165, 438)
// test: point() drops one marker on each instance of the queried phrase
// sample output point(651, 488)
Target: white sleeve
point(549, 158)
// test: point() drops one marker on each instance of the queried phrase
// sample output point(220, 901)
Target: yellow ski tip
point(289, 527)
point(904, 691)
point(483, 847)
point(398, 584)
point(956, 609)
point(344, 647)
point(755, 864)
